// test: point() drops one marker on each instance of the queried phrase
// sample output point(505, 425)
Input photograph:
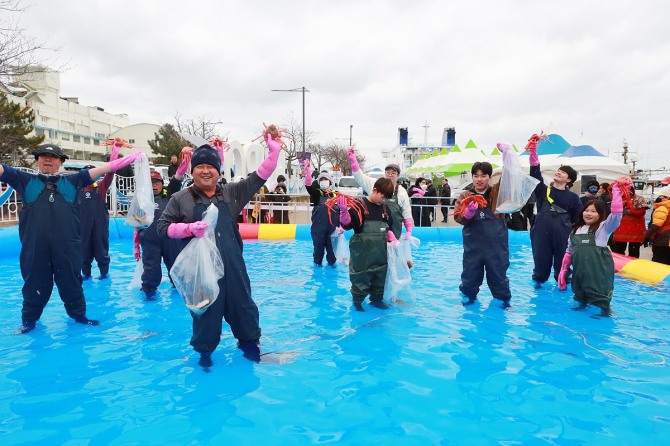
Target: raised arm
point(113, 166)
point(366, 182)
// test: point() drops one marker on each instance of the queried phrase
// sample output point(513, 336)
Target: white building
point(138, 135)
point(77, 129)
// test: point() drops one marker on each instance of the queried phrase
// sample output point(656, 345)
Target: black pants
point(661, 254)
point(633, 248)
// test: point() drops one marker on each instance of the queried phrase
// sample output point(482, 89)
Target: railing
point(297, 210)
point(10, 202)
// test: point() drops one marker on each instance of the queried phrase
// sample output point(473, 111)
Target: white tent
point(587, 161)
point(454, 166)
point(548, 150)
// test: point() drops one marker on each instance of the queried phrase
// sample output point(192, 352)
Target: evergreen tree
point(16, 122)
point(167, 142)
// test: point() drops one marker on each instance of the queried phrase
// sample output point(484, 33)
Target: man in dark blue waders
point(557, 209)
point(485, 241)
point(182, 219)
point(49, 232)
point(94, 221)
point(322, 227)
point(155, 248)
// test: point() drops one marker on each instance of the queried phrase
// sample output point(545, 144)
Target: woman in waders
point(591, 259)
point(372, 222)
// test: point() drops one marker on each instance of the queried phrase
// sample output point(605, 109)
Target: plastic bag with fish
point(515, 186)
point(141, 209)
point(198, 268)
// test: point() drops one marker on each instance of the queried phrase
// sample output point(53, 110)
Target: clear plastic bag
point(141, 209)
point(398, 276)
point(515, 186)
point(198, 268)
point(136, 283)
point(341, 247)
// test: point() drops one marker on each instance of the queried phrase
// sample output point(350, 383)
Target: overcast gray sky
point(595, 72)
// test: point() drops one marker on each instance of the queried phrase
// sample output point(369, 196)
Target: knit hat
point(206, 154)
point(665, 191)
point(592, 183)
point(326, 176)
point(394, 167)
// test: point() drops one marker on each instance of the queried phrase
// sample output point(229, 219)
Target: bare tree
point(18, 50)
point(200, 126)
point(336, 154)
point(292, 131)
point(318, 157)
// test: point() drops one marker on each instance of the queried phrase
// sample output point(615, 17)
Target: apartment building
point(78, 129)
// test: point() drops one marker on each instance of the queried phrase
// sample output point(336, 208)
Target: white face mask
point(424, 186)
point(325, 184)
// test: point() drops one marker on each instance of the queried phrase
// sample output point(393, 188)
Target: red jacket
point(633, 224)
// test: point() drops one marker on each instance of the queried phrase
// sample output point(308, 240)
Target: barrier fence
point(274, 208)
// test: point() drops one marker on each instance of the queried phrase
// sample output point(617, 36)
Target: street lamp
point(303, 90)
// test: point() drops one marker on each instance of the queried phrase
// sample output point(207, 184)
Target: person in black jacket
point(322, 227)
point(445, 199)
point(419, 211)
point(431, 200)
point(279, 195)
point(155, 248)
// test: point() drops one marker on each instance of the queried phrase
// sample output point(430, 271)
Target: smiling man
point(182, 220)
point(50, 234)
point(557, 209)
point(485, 238)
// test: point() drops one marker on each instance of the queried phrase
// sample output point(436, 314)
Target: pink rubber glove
point(184, 230)
point(531, 148)
point(136, 246)
point(409, 224)
point(115, 151)
point(270, 163)
point(351, 154)
point(219, 146)
point(126, 160)
point(390, 237)
point(345, 218)
point(471, 209)
point(617, 203)
point(418, 193)
point(307, 169)
point(567, 261)
point(186, 156)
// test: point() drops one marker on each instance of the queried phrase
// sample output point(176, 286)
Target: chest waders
point(593, 274)
point(320, 231)
point(549, 239)
point(234, 303)
point(396, 214)
point(94, 229)
point(50, 252)
point(485, 250)
point(154, 248)
point(368, 262)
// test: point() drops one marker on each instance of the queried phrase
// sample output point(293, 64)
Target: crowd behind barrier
point(296, 209)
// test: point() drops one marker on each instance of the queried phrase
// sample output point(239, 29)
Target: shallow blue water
point(428, 372)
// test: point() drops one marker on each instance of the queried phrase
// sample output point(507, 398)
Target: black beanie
point(206, 154)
